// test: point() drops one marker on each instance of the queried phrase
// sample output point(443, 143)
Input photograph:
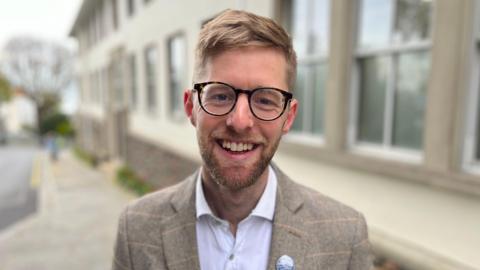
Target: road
point(18, 198)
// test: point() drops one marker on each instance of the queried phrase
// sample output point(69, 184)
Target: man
point(239, 211)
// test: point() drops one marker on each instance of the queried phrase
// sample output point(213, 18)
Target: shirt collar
point(265, 207)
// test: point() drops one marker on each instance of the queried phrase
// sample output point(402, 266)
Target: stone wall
point(157, 166)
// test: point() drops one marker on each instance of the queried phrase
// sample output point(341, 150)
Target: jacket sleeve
point(121, 256)
point(361, 256)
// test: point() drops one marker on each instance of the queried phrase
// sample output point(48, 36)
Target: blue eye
point(219, 97)
point(265, 101)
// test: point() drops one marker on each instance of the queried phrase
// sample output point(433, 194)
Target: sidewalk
point(75, 223)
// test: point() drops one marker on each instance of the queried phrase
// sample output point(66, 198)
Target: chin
point(237, 178)
point(235, 181)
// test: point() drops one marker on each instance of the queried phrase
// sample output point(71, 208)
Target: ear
point(188, 105)
point(291, 114)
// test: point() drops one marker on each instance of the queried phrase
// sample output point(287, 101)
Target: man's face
point(220, 137)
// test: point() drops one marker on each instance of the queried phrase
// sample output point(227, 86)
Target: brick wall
point(157, 166)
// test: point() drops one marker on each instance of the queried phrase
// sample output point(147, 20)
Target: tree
point(5, 90)
point(42, 69)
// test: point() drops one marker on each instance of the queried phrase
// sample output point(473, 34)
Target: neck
point(233, 205)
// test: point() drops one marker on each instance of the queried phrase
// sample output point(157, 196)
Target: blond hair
point(235, 29)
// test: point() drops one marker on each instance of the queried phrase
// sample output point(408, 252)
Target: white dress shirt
point(218, 249)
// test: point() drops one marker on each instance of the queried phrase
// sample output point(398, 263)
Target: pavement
point(76, 221)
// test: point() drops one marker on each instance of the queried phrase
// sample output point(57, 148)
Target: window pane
point(150, 63)
point(299, 94)
point(106, 96)
point(373, 85)
point(300, 26)
point(477, 134)
point(114, 14)
point(133, 80)
point(310, 24)
point(177, 71)
point(412, 22)
point(319, 98)
point(409, 111)
point(375, 23)
point(319, 27)
point(117, 81)
point(130, 7)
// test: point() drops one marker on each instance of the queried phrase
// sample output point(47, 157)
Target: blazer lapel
point(179, 231)
point(288, 237)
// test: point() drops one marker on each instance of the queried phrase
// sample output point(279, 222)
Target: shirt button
point(231, 257)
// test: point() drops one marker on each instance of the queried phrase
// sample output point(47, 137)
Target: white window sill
point(387, 153)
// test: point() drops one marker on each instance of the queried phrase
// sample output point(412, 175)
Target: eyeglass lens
point(265, 103)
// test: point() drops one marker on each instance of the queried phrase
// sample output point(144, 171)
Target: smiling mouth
point(237, 147)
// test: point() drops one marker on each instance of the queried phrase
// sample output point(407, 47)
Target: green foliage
point(47, 102)
point(57, 122)
point(127, 178)
point(5, 90)
point(91, 160)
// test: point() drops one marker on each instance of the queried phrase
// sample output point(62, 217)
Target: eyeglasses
point(218, 98)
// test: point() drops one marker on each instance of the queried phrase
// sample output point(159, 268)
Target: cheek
point(205, 123)
point(272, 132)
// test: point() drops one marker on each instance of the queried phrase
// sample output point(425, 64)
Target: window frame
point(393, 50)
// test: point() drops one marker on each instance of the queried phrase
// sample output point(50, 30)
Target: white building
point(17, 114)
point(389, 96)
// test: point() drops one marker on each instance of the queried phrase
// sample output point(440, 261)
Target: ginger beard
point(239, 176)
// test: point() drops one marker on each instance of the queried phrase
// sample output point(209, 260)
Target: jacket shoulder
point(321, 206)
point(159, 204)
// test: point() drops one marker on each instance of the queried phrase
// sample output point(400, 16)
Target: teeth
point(237, 147)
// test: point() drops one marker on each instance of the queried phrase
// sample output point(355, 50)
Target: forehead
point(248, 67)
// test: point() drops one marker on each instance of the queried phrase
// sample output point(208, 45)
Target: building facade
point(388, 89)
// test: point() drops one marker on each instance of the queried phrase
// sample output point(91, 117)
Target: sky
point(50, 20)
point(46, 19)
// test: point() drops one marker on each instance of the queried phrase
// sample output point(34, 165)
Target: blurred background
point(91, 105)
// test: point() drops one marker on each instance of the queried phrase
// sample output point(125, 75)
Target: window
point(472, 134)
point(150, 73)
point(117, 81)
point(92, 32)
point(91, 87)
point(133, 80)
point(130, 7)
point(476, 153)
point(100, 22)
point(309, 26)
point(114, 15)
point(84, 88)
point(177, 73)
point(393, 62)
point(98, 87)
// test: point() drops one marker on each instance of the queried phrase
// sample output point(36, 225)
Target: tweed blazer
point(158, 231)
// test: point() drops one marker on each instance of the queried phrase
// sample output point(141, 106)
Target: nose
point(240, 118)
